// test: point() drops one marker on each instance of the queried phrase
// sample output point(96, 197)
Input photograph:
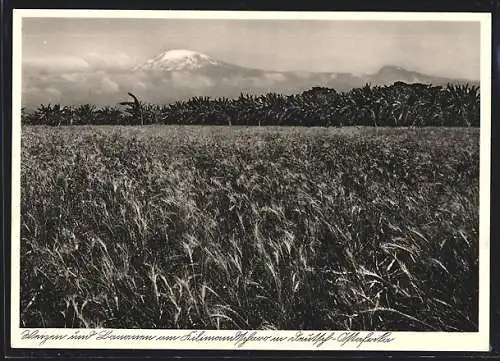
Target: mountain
point(178, 60)
point(194, 62)
point(181, 74)
point(390, 74)
point(221, 78)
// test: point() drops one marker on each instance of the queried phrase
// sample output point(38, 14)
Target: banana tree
point(53, 115)
point(84, 114)
point(108, 115)
point(135, 108)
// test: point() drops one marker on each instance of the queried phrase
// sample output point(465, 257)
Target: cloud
point(70, 65)
point(189, 80)
point(53, 91)
point(74, 77)
point(109, 86)
point(68, 88)
point(116, 61)
point(276, 77)
point(56, 64)
point(237, 80)
point(99, 87)
point(141, 85)
point(53, 94)
point(303, 74)
point(263, 81)
point(31, 90)
point(268, 80)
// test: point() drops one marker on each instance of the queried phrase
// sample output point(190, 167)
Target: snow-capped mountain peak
point(178, 60)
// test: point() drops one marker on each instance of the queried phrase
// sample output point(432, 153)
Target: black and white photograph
point(268, 172)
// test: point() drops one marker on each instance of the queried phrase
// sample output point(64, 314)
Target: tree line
point(399, 104)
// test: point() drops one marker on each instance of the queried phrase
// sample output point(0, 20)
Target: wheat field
point(250, 228)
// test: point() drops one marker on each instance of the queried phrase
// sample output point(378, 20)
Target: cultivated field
point(250, 228)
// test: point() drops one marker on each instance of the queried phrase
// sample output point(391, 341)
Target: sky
point(79, 60)
point(449, 49)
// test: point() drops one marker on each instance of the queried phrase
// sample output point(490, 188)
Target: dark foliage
point(400, 104)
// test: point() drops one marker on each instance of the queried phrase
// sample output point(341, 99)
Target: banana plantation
point(399, 104)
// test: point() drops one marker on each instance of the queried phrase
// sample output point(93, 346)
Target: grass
point(250, 228)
